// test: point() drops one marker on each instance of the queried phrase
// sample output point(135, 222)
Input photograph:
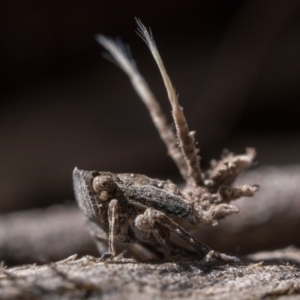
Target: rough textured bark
point(90, 278)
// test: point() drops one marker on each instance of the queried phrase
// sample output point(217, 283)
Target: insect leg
point(161, 218)
point(146, 224)
point(113, 220)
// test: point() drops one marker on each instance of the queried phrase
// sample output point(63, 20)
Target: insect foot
point(133, 208)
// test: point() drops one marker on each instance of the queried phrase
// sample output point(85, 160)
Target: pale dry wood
point(90, 278)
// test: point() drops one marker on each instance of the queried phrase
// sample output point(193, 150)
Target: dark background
point(235, 64)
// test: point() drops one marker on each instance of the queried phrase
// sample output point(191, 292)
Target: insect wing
point(158, 199)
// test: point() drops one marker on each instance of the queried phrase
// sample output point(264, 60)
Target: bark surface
point(90, 278)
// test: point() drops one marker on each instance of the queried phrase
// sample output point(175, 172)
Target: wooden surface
point(89, 278)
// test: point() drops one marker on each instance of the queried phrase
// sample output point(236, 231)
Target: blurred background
point(235, 65)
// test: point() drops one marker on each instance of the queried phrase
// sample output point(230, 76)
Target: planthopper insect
point(133, 208)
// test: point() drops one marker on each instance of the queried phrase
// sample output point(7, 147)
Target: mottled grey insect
point(133, 208)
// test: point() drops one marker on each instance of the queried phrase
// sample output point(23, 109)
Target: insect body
point(135, 208)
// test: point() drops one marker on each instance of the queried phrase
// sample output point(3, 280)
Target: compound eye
point(104, 186)
point(104, 195)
